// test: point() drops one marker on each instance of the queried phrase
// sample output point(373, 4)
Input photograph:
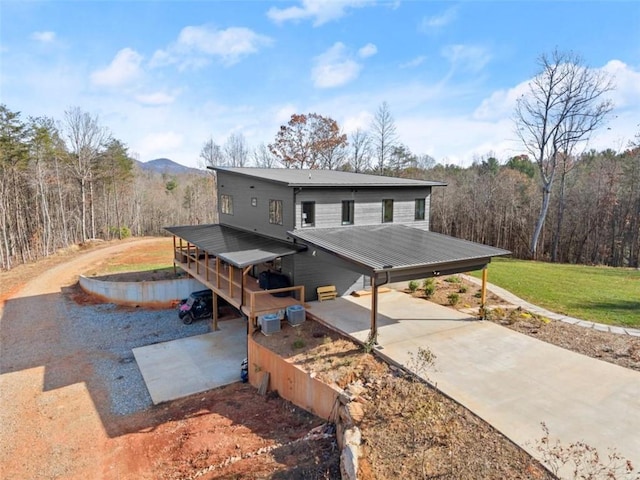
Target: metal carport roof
point(402, 251)
point(236, 247)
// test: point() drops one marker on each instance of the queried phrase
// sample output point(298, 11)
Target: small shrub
point(299, 343)
point(453, 298)
point(429, 286)
point(462, 289)
point(413, 286)
point(453, 279)
point(478, 294)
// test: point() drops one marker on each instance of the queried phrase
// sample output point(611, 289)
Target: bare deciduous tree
point(211, 154)
point(384, 138)
point(360, 157)
point(263, 158)
point(236, 151)
point(86, 140)
point(564, 105)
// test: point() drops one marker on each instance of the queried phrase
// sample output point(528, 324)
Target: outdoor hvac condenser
point(269, 323)
point(296, 314)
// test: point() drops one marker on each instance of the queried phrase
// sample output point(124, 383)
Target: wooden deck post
point(215, 312)
point(197, 261)
point(230, 280)
point(217, 272)
point(483, 293)
point(206, 264)
point(175, 256)
point(373, 334)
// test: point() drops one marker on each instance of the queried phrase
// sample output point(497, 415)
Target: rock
point(356, 411)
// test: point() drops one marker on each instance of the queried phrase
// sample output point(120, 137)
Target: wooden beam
point(197, 261)
point(373, 334)
point(230, 280)
point(206, 264)
point(215, 311)
point(175, 256)
point(217, 272)
point(483, 293)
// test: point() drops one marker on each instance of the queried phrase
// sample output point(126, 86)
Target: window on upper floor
point(226, 204)
point(308, 214)
point(420, 209)
point(275, 212)
point(387, 210)
point(347, 212)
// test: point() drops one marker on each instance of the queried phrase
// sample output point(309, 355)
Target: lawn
point(600, 294)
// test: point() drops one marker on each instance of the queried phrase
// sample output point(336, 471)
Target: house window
point(420, 203)
point(226, 204)
point(308, 214)
point(275, 212)
point(347, 212)
point(387, 210)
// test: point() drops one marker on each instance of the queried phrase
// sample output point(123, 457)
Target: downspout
point(373, 333)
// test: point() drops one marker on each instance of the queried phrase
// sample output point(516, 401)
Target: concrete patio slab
point(195, 364)
point(512, 381)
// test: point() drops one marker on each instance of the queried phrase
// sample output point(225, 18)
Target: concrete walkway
point(512, 381)
point(519, 302)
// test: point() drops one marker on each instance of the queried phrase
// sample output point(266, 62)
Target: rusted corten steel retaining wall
point(158, 294)
point(291, 382)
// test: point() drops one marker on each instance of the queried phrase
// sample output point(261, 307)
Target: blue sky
point(165, 76)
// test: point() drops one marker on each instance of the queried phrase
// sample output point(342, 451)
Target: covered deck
point(223, 259)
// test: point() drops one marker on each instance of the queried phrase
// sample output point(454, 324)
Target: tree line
point(65, 183)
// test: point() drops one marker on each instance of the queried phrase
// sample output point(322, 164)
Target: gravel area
point(112, 332)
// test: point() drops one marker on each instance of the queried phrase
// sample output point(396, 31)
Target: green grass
point(135, 267)
point(599, 294)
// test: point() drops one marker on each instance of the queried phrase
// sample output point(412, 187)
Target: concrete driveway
point(512, 381)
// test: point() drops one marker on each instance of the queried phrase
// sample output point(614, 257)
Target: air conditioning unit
point(269, 323)
point(296, 314)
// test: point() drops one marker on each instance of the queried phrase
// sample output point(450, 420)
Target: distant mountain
point(167, 166)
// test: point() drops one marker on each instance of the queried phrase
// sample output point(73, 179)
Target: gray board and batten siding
point(254, 215)
point(252, 188)
point(367, 205)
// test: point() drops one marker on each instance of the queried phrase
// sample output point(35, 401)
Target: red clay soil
point(48, 431)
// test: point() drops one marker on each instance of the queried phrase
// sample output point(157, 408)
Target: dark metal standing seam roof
point(237, 247)
point(294, 177)
point(395, 247)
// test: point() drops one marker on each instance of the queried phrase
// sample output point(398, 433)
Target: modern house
point(317, 228)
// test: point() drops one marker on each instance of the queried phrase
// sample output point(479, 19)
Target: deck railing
point(227, 281)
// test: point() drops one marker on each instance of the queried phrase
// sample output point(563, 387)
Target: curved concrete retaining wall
point(160, 293)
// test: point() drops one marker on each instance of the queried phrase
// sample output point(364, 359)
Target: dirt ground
point(54, 422)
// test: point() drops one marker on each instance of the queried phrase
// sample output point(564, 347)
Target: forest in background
point(66, 182)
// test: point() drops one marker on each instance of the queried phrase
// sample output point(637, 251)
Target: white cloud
point(436, 22)
point(334, 68)
point(626, 82)
point(156, 98)
point(361, 120)
point(196, 45)
point(416, 62)
point(466, 57)
point(283, 114)
point(124, 68)
point(158, 144)
point(44, 37)
point(369, 50)
point(321, 11)
point(500, 103)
